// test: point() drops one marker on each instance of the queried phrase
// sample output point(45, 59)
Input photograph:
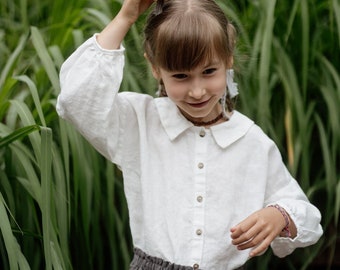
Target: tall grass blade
point(336, 7)
point(23, 13)
point(9, 239)
point(55, 259)
point(65, 152)
point(57, 55)
point(18, 134)
point(31, 181)
point(305, 44)
point(337, 204)
point(78, 37)
point(331, 69)
point(45, 167)
point(264, 65)
point(34, 93)
point(61, 205)
point(45, 58)
point(7, 189)
point(11, 60)
point(291, 20)
point(329, 166)
point(28, 120)
point(22, 261)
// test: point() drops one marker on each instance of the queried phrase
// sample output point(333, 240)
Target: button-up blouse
point(186, 186)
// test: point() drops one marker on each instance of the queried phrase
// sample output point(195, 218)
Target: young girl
point(206, 188)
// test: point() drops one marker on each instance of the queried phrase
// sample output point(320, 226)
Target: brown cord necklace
point(208, 123)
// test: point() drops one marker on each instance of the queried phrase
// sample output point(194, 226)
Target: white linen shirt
point(186, 186)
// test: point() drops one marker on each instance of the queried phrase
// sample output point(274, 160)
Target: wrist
point(113, 34)
point(129, 12)
point(285, 232)
point(125, 20)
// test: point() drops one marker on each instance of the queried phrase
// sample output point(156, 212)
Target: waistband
point(143, 261)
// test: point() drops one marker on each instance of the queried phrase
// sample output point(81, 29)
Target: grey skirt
point(143, 261)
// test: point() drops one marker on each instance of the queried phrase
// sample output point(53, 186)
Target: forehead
point(183, 46)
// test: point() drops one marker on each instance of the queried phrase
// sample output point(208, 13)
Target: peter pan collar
point(171, 118)
point(229, 132)
point(224, 134)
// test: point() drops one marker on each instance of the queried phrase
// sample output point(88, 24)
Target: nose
point(197, 90)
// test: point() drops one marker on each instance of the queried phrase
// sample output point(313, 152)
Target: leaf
point(18, 134)
point(45, 58)
point(34, 92)
point(337, 204)
point(27, 120)
point(9, 239)
point(11, 60)
point(45, 167)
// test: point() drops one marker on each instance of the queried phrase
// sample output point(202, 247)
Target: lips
point(199, 104)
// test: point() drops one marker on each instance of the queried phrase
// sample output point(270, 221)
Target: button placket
point(198, 200)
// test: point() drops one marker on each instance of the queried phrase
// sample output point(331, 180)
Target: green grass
point(62, 205)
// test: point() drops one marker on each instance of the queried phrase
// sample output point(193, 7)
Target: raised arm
point(113, 34)
point(90, 79)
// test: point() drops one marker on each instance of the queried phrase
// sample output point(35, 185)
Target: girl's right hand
point(132, 9)
point(113, 34)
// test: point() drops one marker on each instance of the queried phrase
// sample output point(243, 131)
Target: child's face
point(196, 92)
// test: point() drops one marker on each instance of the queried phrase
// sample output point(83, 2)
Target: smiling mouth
point(199, 104)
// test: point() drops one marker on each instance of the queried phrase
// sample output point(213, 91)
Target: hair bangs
point(187, 41)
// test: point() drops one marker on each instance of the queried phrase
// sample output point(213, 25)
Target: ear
point(230, 62)
point(155, 71)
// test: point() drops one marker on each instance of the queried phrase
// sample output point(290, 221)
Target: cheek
point(174, 91)
point(175, 94)
point(218, 86)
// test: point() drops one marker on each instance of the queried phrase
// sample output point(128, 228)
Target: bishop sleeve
point(283, 189)
point(90, 79)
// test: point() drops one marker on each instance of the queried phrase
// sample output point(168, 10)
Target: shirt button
point(199, 199)
point(195, 266)
point(200, 165)
point(202, 133)
point(199, 232)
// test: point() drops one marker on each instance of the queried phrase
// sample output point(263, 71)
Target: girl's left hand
point(258, 230)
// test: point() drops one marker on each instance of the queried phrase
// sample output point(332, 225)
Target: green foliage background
point(62, 205)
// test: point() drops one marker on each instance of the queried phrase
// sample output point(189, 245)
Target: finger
point(242, 227)
point(253, 242)
point(262, 247)
point(246, 236)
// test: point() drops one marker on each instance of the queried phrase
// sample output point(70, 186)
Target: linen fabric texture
point(186, 186)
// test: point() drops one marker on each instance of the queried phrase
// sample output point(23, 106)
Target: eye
point(180, 76)
point(209, 71)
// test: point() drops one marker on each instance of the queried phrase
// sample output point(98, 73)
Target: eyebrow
point(213, 63)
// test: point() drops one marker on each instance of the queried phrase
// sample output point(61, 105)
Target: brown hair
point(182, 34)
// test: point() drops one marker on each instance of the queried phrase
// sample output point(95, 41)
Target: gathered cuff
point(120, 49)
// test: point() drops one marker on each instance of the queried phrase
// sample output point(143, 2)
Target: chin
point(196, 115)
